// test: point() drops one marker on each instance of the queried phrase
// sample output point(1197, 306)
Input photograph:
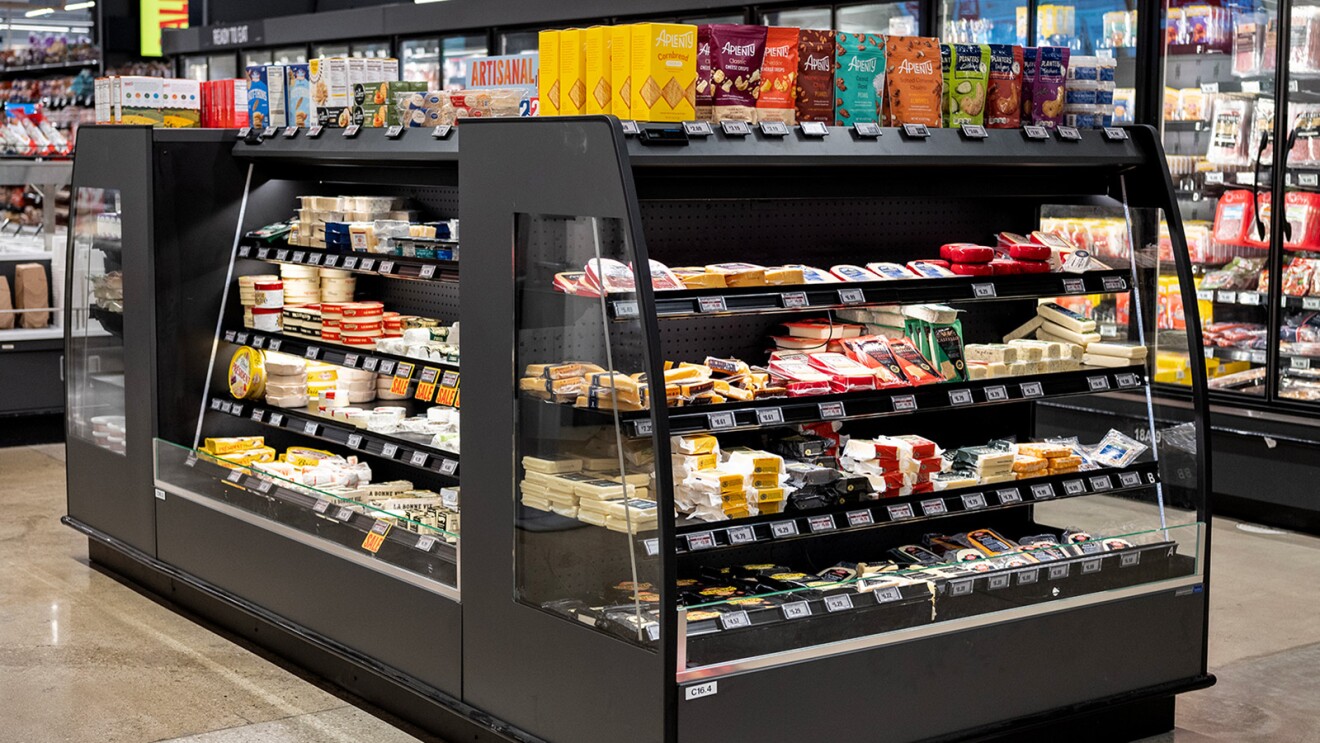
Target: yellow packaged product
point(621, 70)
point(304, 456)
point(547, 80)
point(572, 73)
point(664, 72)
point(247, 374)
point(232, 444)
point(596, 64)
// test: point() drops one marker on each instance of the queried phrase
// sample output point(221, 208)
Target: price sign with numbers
point(258, 414)
point(274, 344)
point(351, 360)
point(867, 129)
point(735, 620)
point(277, 419)
point(350, 262)
point(312, 353)
point(376, 537)
point(1129, 479)
point(819, 524)
point(1074, 286)
point(904, 403)
point(933, 507)
point(1101, 483)
point(1074, 487)
point(310, 428)
point(315, 259)
point(769, 416)
point(900, 512)
point(796, 610)
point(281, 255)
point(774, 129)
point(427, 272)
point(418, 459)
point(974, 501)
point(735, 128)
point(235, 475)
point(386, 267)
point(344, 514)
point(782, 529)
point(331, 261)
point(314, 131)
point(290, 132)
point(265, 486)
point(887, 595)
point(299, 256)
point(244, 251)
point(974, 131)
point(441, 131)
point(711, 304)
point(387, 367)
point(351, 131)
point(370, 363)
point(626, 308)
point(1113, 283)
point(997, 393)
point(793, 300)
point(741, 535)
point(355, 441)
point(1008, 496)
point(448, 467)
point(425, 543)
point(851, 296)
point(814, 129)
point(697, 128)
point(263, 253)
point(720, 421)
point(829, 410)
point(394, 132)
point(389, 450)
point(1032, 389)
point(838, 602)
point(983, 291)
point(701, 541)
point(1035, 132)
point(426, 384)
point(960, 397)
point(1069, 134)
point(916, 131)
point(1097, 384)
point(322, 505)
point(1042, 491)
point(860, 518)
point(449, 390)
point(402, 375)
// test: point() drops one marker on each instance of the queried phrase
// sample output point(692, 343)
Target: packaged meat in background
point(1298, 277)
point(1248, 41)
point(1304, 49)
point(1262, 126)
point(1004, 100)
point(1302, 210)
point(1239, 274)
point(1234, 215)
point(779, 70)
point(1230, 123)
point(1306, 125)
point(1258, 230)
point(736, 53)
point(914, 83)
point(859, 78)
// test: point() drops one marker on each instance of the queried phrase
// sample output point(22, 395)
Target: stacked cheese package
point(989, 464)
point(337, 285)
point(712, 485)
point(894, 465)
point(303, 320)
point(560, 485)
point(360, 212)
point(247, 295)
point(763, 477)
point(241, 450)
point(1021, 357)
point(286, 380)
point(302, 284)
point(1058, 459)
point(1059, 324)
point(358, 323)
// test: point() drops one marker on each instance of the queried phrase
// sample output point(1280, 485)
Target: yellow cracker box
point(621, 70)
point(664, 72)
point(572, 73)
point(596, 63)
point(547, 79)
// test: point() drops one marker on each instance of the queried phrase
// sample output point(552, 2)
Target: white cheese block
point(1028, 350)
point(932, 313)
point(1051, 332)
point(287, 401)
point(1058, 315)
point(1095, 359)
point(282, 364)
point(1025, 329)
point(1122, 350)
point(999, 352)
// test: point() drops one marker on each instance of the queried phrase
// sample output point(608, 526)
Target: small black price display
point(860, 518)
point(1008, 496)
point(1058, 572)
point(277, 419)
point(974, 131)
point(774, 129)
point(1101, 483)
point(418, 459)
point(1074, 286)
point(796, 610)
point(701, 541)
point(916, 131)
point(904, 403)
point(630, 127)
point(741, 535)
point(721, 421)
point(1035, 132)
point(839, 602)
point(1032, 389)
point(1128, 380)
point(794, 300)
point(350, 262)
point(934, 507)
point(1097, 384)
point(983, 291)
point(425, 543)
point(1069, 134)
point(830, 410)
point(867, 129)
point(974, 501)
point(344, 514)
point(711, 304)
point(441, 131)
point(448, 467)
point(815, 129)
point(782, 529)
point(1115, 134)
point(389, 450)
point(997, 393)
point(1074, 487)
point(1114, 284)
point(1129, 479)
point(394, 132)
point(819, 524)
point(355, 441)
point(769, 416)
point(996, 582)
point(735, 620)
point(900, 512)
point(697, 128)
point(310, 428)
point(851, 296)
point(960, 397)
point(1042, 491)
point(244, 132)
point(887, 595)
point(735, 128)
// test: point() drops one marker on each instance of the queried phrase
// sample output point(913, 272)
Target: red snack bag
point(1297, 277)
point(779, 71)
point(1004, 102)
point(972, 269)
point(1302, 210)
point(966, 253)
point(1258, 235)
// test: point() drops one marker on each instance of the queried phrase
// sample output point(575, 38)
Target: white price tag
point(796, 610)
point(425, 543)
point(1100, 483)
point(741, 535)
point(774, 129)
point(299, 256)
point(867, 129)
point(904, 403)
point(629, 127)
point(983, 291)
point(934, 507)
point(322, 505)
point(652, 546)
point(1311, 303)
point(310, 428)
point(1042, 491)
point(996, 582)
point(1008, 496)
point(960, 397)
point(1058, 572)
point(734, 128)
point(701, 541)
point(1113, 283)
point(418, 459)
point(1097, 384)
point(625, 309)
point(1129, 559)
point(974, 501)
point(394, 132)
point(851, 296)
point(697, 128)
point(793, 300)
point(1027, 577)
point(281, 255)
point(1037, 133)
point(367, 264)
point(257, 414)
point(344, 514)
point(769, 416)
point(370, 363)
point(819, 524)
point(277, 419)
point(1069, 134)
point(1092, 565)
point(351, 360)
point(900, 512)
point(1074, 487)
point(829, 410)
point(997, 393)
point(216, 403)
point(860, 518)
point(441, 131)
point(734, 620)
point(1129, 479)
point(275, 344)
point(838, 602)
point(290, 132)
point(311, 353)
point(916, 131)
point(720, 421)
point(782, 529)
point(427, 272)
point(449, 467)
point(974, 131)
point(644, 427)
point(235, 475)
point(887, 595)
point(1032, 389)
point(265, 486)
point(389, 450)
point(350, 263)
point(1299, 362)
point(386, 267)
point(814, 129)
point(1074, 286)
point(351, 131)
point(711, 304)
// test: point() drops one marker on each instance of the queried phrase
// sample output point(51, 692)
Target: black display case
point(547, 636)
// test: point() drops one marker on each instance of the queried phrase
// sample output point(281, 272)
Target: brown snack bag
point(779, 71)
point(6, 318)
point(1004, 107)
point(32, 290)
point(705, 91)
point(815, 79)
point(735, 70)
point(914, 81)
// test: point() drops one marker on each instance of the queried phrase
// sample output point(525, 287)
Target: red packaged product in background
point(1298, 276)
point(1233, 216)
point(966, 253)
point(873, 352)
point(1004, 101)
point(1258, 235)
point(915, 367)
point(1006, 267)
point(1032, 266)
point(1029, 252)
point(972, 269)
point(1302, 210)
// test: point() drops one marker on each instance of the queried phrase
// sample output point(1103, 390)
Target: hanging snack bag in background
point(1048, 89)
point(815, 79)
point(914, 82)
point(1004, 104)
point(664, 72)
point(969, 78)
point(705, 102)
point(779, 70)
point(735, 70)
point(859, 78)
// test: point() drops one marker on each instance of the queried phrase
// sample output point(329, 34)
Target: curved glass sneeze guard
point(96, 321)
point(390, 522)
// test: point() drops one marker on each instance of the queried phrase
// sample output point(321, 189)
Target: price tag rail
point(763, 299)
point(329, 351)
point(371, 443)
point(287, 504)
point(763, 527)
point(382, 264)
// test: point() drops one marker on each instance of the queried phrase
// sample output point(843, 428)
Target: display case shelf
point(800, 297)
point(348, 357)
point(372, 264)
point(400, 448)
point(698, 536)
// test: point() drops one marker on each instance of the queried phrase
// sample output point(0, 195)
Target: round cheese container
point(356, 325)
point(269, 320)
point(363, 309)
point(368, 342)
point(295, 271)
point(247, 374)
point(268, 294)
point(330, 334)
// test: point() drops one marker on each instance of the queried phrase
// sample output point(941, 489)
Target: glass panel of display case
point(290, 55)
point(456, 51)
point(330, 50)
point(898, 19)
point(517, 42)
point(1218, 123)
point(257, 57)
point(421, 61)
point(223, 66)
point(817, 18)
point(195, 68)
point(1096, 29)
point(96, 320)
point(985, 22)
point(370, 49)
point(585, 543)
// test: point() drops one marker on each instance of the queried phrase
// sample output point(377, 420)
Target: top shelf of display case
point(351, 146)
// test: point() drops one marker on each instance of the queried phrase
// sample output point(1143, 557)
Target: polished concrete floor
point(83, 658)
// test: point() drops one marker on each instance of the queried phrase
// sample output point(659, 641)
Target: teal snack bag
point(859, 78)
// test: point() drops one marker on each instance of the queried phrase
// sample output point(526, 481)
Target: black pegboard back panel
point(436, 299)
point(822, 231)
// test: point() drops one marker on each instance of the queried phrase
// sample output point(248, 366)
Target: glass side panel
point(517, 42)
point(330, 50)
point(96, 319)
point(814, 18)
point(421, 61)
point(587, 506)
point(391, 523)
point(898, 19)
point(1218, 122)
point(1299, 331)
point(257, 56)
point(370, 49)
point(223, 66)
point(1096, 28)
point(456, 51)
point(290, 55)
point(984, 22)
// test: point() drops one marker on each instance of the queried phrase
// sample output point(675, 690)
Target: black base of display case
point(356, 674)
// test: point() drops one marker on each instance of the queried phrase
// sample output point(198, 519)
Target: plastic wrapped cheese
point(966, 253)
point(937, 314)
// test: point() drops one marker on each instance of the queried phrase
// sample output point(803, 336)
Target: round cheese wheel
point(972, 269)
point(1025, 266)
point(247, 374)
point(1029, 252)
point(966, 253)
point(1004, 267)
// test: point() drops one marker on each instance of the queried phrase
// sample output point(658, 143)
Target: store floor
point(84, 658)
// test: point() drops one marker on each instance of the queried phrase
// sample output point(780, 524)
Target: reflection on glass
point(456, 52)
point(985, 22)
point(96, 303)
point(370, 49)
point(584, 489)
point(330, 50)
point(815, 18)
point(257, 57)
point(290, 55)
point(195, 68)
point(421, 61)
point(223, 66)
point(899, 19)
point(517, 42)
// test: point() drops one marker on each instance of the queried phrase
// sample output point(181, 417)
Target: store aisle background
point(85, 658)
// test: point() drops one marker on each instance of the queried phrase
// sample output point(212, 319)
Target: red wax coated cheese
point(1004, 266)
point(1033, 266)
point(1029, 252)
point(972, 269)
point(967, 253)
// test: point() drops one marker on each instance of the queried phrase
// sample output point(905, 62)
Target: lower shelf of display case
point(334, 521)
point(728, 634)
point(394, 447)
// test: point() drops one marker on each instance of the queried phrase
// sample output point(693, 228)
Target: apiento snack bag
point(913, 81)
point(736, 52)
point(779, 71)
point(859, 78)
point(664, 71)
point(814, 96)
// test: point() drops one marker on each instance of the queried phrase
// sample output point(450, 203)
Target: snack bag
point(859, 78)
point(735, 70)
point(814, 99)
point(913, 84)
point(1029, 59)
point(705, 91)
point(779, 70)
point(1004, 101)
point(969, 71)
point(1048, 87)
